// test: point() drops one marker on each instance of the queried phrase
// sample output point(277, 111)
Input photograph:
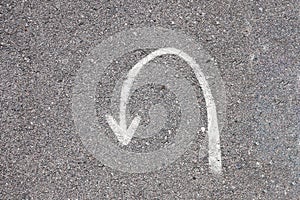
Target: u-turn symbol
point(94, 134)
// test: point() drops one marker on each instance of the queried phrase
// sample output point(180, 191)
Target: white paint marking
point(124, 134)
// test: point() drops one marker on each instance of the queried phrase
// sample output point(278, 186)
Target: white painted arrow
point(124, 134)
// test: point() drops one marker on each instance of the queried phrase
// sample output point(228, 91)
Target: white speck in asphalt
point(203, 129)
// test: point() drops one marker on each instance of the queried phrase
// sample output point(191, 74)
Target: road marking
point(124, 134)
point(96, 66)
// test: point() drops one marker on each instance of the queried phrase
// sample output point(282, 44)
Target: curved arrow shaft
point(213, 130)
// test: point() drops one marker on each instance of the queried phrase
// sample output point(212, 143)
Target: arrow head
point(124, 136)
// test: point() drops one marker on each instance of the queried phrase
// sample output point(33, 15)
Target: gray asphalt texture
point(256, 46)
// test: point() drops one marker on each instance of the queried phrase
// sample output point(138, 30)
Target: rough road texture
point(256, 46)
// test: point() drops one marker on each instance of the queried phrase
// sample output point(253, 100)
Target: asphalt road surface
point(254, 45)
